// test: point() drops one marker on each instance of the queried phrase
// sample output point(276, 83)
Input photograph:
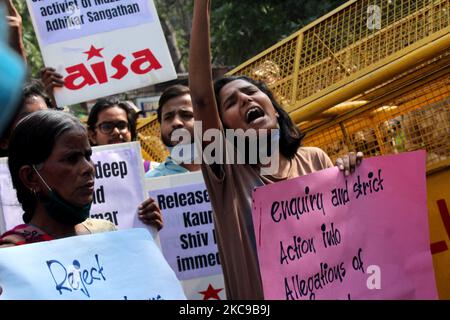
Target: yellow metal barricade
point(150, 138)
point(356, 47)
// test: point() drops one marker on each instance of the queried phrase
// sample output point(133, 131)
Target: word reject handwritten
point(74, 277)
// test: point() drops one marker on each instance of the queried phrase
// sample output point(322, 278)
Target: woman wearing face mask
point(47, 150)
point(114, 122)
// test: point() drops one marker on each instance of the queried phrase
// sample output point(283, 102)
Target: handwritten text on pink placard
point(325, 236)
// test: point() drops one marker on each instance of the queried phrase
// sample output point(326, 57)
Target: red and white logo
point(84, 74)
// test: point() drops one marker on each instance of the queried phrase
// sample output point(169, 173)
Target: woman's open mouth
point(253, 114)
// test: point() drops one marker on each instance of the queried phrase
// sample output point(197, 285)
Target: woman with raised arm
point(16, 29)
point(246, 104)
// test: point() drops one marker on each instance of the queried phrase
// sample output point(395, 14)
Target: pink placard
point(324, 236)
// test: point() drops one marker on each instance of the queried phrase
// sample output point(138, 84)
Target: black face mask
point(61, 210)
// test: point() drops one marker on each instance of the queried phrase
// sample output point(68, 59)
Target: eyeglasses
point(108, 127)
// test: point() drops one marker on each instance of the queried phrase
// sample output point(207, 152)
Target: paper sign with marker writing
point(101, 47)
point(105, 266)
point(326, 236)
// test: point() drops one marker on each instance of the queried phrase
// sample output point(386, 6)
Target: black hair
point(103, 104)
point(30, 89)
point(35, 87)
point(290, 135)
point(32, 142)
point(170, 93)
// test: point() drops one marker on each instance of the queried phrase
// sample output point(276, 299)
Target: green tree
point(240, 30)
point(32, 50)
point(176, 21)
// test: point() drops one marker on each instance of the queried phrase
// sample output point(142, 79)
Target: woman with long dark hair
point(245, 105)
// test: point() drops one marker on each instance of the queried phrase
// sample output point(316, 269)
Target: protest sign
point(10, 209)
point(326, 236)
point(104, 266)
point(119, 187)
point(188, 239)
point(101, 47)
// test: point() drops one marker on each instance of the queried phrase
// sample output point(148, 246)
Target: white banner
point(101, 47)
point(104, 266)
point(188, 238)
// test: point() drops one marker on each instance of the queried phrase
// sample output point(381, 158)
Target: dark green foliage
point(242, 29)
point(32, 50)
